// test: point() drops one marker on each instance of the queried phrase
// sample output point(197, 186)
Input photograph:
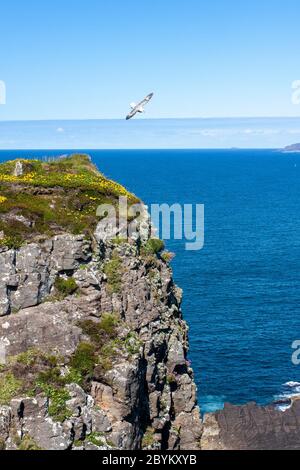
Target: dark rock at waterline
point(252, 427)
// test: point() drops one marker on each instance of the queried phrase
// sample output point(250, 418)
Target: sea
point(242, 289)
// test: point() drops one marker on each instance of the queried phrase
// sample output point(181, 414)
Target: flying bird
point(139, 108)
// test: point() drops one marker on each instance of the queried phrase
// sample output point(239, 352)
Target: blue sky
point(89, 59)
point(150, 133)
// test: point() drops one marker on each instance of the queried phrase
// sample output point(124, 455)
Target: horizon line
point(148, 119)
point(158, 149)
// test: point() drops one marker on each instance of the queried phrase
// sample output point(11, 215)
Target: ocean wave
point(289, 392)
point(292, 384)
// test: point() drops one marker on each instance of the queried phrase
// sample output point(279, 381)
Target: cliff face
point(252, 427)
point(93, 345)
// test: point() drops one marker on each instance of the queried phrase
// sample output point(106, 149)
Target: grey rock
point(252, 427)
point(135, 394)
point(19, 169)
point(5, 422)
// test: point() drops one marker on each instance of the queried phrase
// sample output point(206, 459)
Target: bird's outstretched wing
point(139, 108)
point(145, 100)
point(131, 114)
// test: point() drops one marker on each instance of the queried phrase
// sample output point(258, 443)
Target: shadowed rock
point(252, 427)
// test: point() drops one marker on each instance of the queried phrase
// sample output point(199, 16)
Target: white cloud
point(261, 131)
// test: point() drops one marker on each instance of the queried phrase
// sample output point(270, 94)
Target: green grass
point(50, 376)
point(119, 240)
point(27, 443)
point(105, 347)
point(57, 197)
point(65, 287)
point(132, 343)
point(153, 247)
point(113, 270)
point(32, 356)
point(101, 350)
point(12, 242)
point(33, 372)
point(10, 386)
point(74, 376)
point(167, 256)
point(84, 359)
point(96, 438)
point(58, 409)
point(148, 438)
point(78, 443)
point(109, 323)
point(100, 331)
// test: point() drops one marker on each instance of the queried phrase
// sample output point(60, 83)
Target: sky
point(221, 133)
point(89, 59)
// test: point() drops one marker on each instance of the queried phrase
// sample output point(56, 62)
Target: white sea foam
point(283, 407)
point(290, 391)
point(292, 384)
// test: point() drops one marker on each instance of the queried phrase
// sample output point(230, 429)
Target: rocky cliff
point(252, 427)
point(93, 345)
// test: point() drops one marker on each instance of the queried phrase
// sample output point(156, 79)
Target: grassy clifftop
point(46, 198)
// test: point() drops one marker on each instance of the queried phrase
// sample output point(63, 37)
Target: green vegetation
point(148, 438)
point(33, 371)
point(49, 376)
point(2, 444)
point(100, 331)
point(46, 378)
point(27, 443)
point(96, 438)
point(78, 443)
point(69, 172)
point(10, 386)
point(153, 247)
point(74, 376)
point(33, 357)
point(108, 352)
point(83, 360)
point(11, 241)
point(132, 343)
point(55, 197)
point(171, 379)
point(167, 256)
point(27, 358)
point(119, 241)
point(105, 346)
point(65, 287)
point(113, 271)
point(101, 350)
point(58, 397)
point(109, 323)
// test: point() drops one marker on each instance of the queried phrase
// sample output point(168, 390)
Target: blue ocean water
point(242, 291)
